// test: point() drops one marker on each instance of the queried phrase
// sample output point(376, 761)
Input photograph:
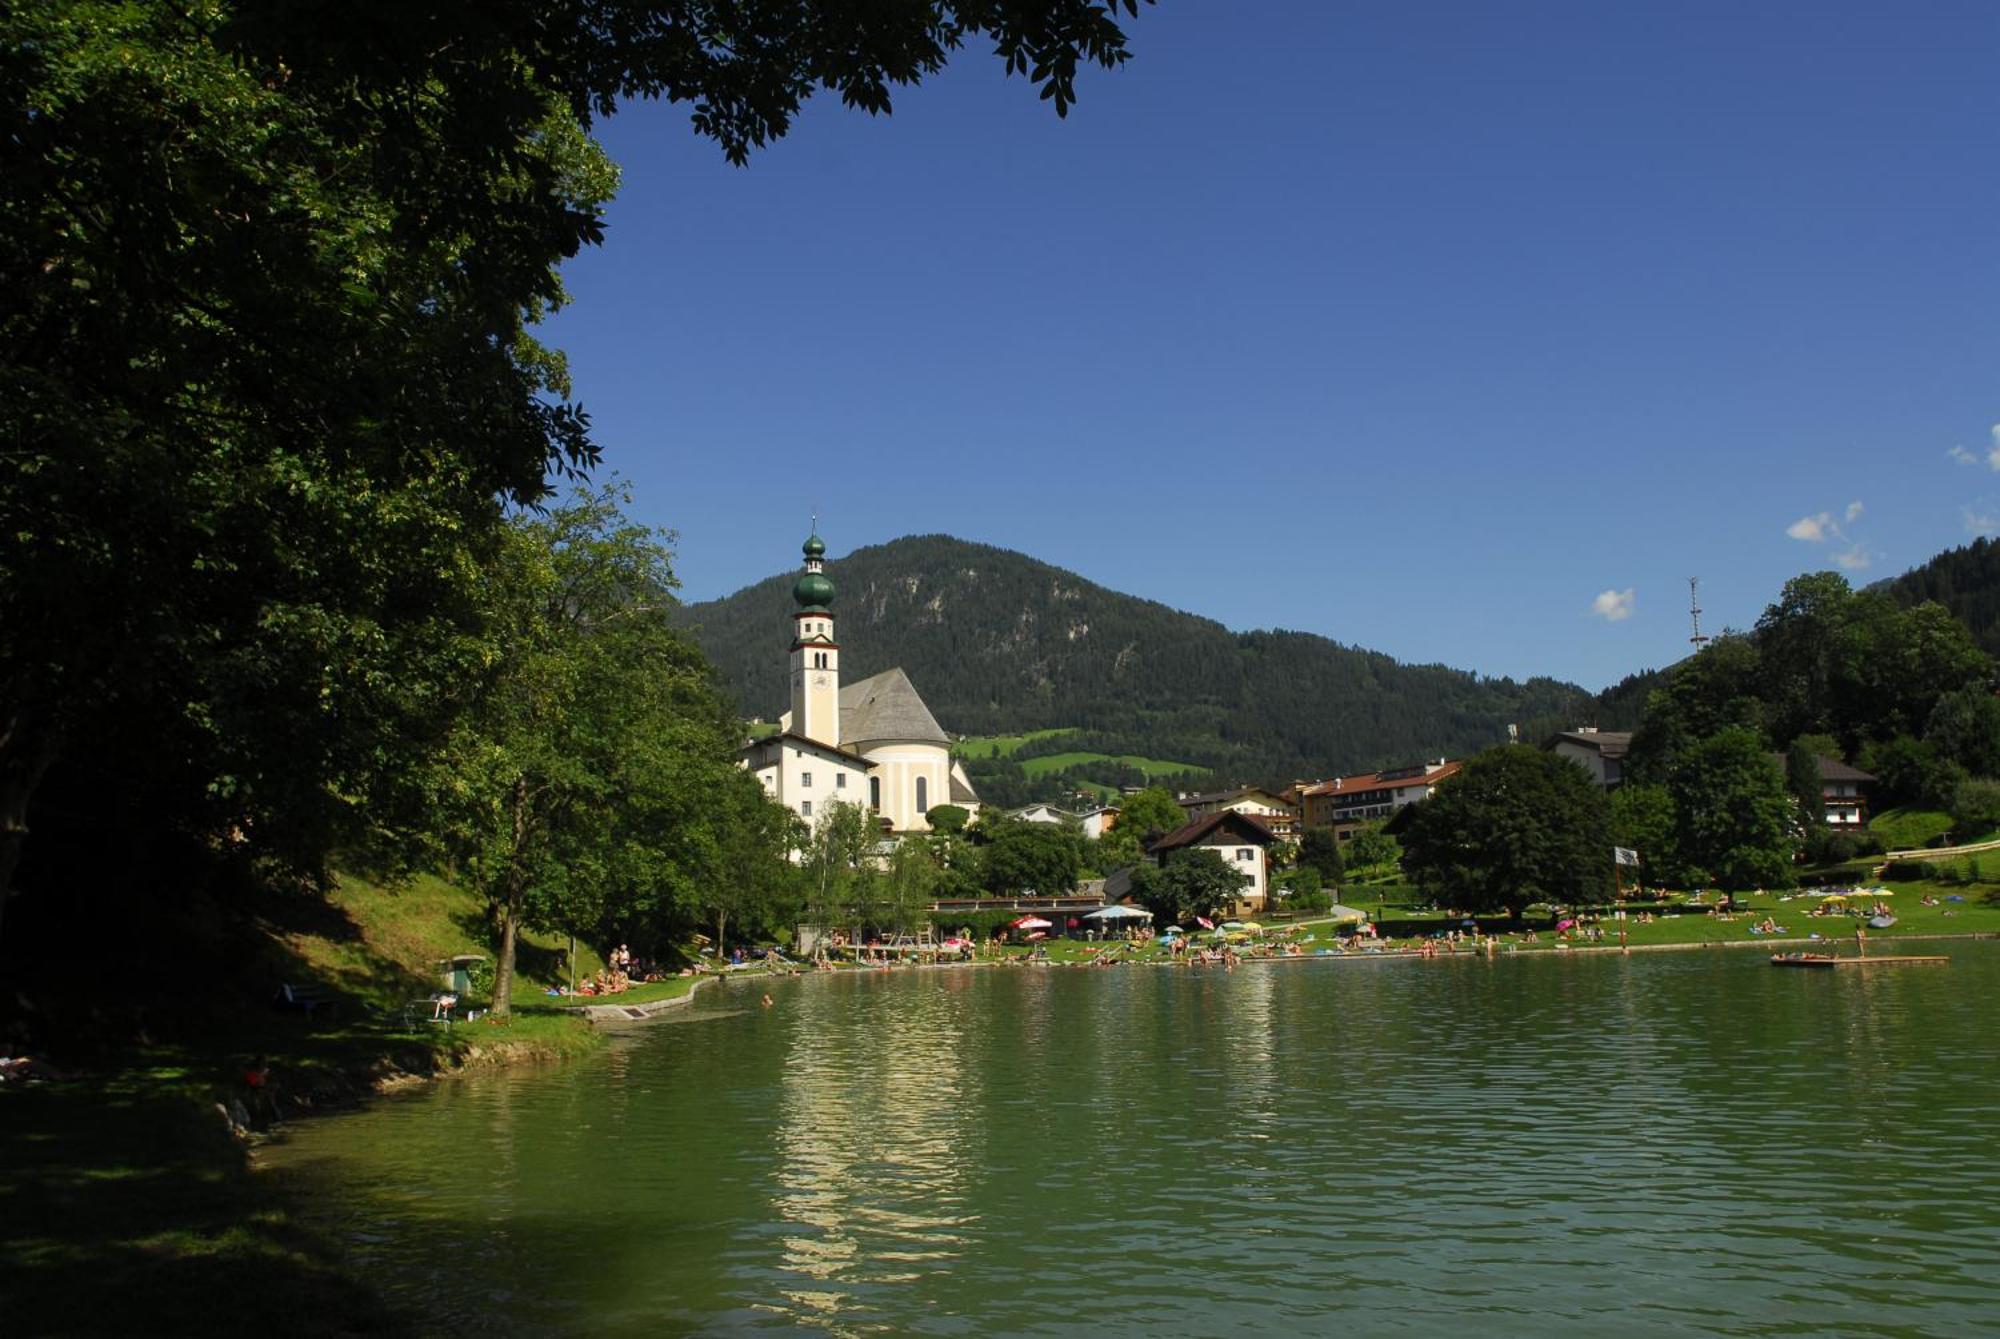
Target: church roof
point(887, 707)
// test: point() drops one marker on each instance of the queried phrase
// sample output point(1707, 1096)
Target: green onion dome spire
point(813, 590)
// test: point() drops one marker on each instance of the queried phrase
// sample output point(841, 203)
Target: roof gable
point(1243, 827)
point(887, 706)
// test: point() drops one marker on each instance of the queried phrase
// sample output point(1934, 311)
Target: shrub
point(1909, 870)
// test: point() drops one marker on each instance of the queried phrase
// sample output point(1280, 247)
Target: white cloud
point(1853, 512)
point(1854, 559)
point(1961, 455)
point(1993, 455)
point(1814, 529)
point(1981, 522)
point(1614, 606)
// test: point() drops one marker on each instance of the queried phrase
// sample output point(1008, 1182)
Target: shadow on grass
point(123, 1212)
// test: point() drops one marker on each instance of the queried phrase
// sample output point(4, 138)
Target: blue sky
point(1436, 328)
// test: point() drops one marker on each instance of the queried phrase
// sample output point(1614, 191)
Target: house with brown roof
point(1346, 803)
point(1843, 790)
point(1598, 752)
point(1274, 811)
point(1243, 842)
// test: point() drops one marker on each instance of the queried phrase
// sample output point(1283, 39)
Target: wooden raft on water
point(1828, 960)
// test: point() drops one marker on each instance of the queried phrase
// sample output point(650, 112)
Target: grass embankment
point(1906, 829)
point(126, 1203)
point(1004, 746)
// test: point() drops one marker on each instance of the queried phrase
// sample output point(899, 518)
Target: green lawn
point(1152, 767)
point(1906, 828)
point(1003, 746)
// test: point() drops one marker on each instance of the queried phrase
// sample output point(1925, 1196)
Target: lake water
point(1665, 1143)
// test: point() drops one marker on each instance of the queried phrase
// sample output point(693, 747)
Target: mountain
point(1000, 643)
point(1964, 580)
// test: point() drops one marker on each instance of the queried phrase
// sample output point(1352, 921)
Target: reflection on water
point(1660, 1144)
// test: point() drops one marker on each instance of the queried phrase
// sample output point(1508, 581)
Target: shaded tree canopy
point(1515, 826)
point(1190, 883)
point(265, 367)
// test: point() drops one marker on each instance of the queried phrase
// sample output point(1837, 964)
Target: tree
point(1735, 817)
point(948, 818)
point(1643, 820)
point(590, 760)
point(1319, 851)
point(1031, 857)
point(910, 884)
point(1964, 728)
point(1807, 789)
point(1304, 891)
point(1975, 809)
point(755, 885)
point(1372, 848)
point(1190, 883)
point(265, 364)
point(1910, 772)
point(1149, 815)
point(839, 882)
point(1515, 826)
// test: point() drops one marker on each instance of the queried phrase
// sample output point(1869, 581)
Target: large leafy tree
point(591, 776)
point(1642, 820)
point(1516, 826)
point(1190, 883)
point(265, 362)
point(1736, 819)
point(1964, 728)
point(1022, 857)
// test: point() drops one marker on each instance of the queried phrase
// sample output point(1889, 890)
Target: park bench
point(307, 1000)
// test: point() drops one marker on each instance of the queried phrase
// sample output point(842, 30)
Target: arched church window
point(923, 794)
point(874, 792)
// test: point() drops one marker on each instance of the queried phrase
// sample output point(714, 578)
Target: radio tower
point(1694, 612)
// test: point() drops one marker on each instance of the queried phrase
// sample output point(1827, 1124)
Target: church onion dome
point(813, 591)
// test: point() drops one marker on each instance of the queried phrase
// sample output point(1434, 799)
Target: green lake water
point(1666, 1143)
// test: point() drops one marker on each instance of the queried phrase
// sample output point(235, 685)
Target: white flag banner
point(1625, 855)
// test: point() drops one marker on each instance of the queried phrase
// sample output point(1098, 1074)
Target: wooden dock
point(1827, 960)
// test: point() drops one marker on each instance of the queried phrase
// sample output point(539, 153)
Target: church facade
point(872, 743)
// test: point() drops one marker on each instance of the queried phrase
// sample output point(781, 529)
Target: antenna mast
point(1694, 612)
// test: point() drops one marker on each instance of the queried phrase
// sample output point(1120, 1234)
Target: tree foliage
point(265, 361)
point(1515, 826)
point(1019, 857)
point(1319, 851)
point(1735, 820)
point(1190, 883)
point(592, 777)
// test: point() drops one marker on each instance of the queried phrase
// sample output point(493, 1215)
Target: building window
point(805, 808)
point(1246, 854)
point(923, 794)
point(805, 780)
point(875, 792)
point(840, 781)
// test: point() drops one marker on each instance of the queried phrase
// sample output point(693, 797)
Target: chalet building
point(1274, 811)
point(1844, 791)
point(1041, 813)
point(872, 742)
point(1243, 841)
point(1345, 803)
point(1598, 752)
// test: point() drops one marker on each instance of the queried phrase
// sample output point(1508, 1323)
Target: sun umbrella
point(1173, 930)
point(1204, 922)
point(1252, 925)
point(1029, 923)
point(1232, 925)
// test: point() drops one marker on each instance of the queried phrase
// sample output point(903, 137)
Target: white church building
point(873, 743)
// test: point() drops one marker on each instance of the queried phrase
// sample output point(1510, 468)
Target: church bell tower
point(815, 657)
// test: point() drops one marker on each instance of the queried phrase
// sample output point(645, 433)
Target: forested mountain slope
point(1964, 580)
point(999, 642)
